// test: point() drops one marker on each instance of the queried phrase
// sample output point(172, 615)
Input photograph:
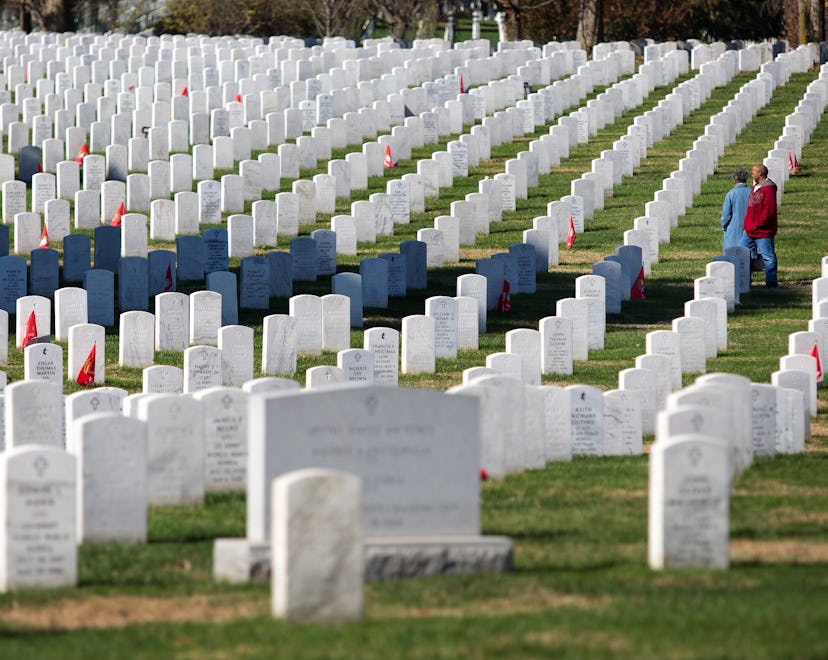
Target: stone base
point(386, 558)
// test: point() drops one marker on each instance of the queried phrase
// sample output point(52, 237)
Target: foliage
point(253, 17)
point(705, 19)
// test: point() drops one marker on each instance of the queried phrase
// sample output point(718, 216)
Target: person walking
point(760, 223)
point(733, 210)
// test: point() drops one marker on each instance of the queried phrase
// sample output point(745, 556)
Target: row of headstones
point(98, 167)
point(184, 216)
point(717, 294)
point(470, 217)
point(516, 291)
point(262, 96)
point(709, 433)
point(659, 122)
point(702, 444)
point(154, 124)
point(240, 220)
point(104, 491)
point(700, 161)
point(163, 169)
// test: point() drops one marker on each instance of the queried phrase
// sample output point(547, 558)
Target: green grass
point(580, 587)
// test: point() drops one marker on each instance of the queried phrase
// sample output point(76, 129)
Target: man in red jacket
point(760, 222)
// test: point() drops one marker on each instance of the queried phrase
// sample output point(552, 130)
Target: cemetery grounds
point(580, 585)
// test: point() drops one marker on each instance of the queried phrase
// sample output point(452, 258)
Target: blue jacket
point(733, 214)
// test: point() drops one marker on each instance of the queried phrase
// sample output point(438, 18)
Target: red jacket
point(760, 218)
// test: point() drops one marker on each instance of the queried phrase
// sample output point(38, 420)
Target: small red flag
point(483, 474)
point(815, 355)
point(40, 168)
point(796, 163)
point(790, 162)
point(238, 98)
point(504, 301)
point(116, 219)
point(637, 289)
point(44, 237)
point(83, 151)
point(387, 161)
point(86, 375)
point(185, 92)
point(31, 331)
point(25, 76)
point(168, 279)
point(570, 235)
point(462, 87)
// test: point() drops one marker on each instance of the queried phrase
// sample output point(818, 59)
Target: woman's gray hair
point(740, 176)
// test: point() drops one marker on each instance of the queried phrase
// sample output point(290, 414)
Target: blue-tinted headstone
point(12, 282)
point(280, 270)
point(224, 282)
point(4, 241)
point(396, 274)
point(374, 282)
point(415, 264)
point(611, 272)
point(162, 271)
point(350, 284)
point(632, 260)
point(305, 255)
point(100, 296)
point(525, 255)
point(254, 292)
point(44, 271)
point(190, 251)
point(494, 272)
point(107, 247)
point(133, 284)
point(215, 250)
point(29, 164)
point(624, 281)
point(77, 257)
point(510, 270)
point(326, 243)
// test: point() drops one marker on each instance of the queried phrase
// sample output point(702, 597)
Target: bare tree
point(402, 16)
point(590, 23)
point(334, 17)
point(515, 11)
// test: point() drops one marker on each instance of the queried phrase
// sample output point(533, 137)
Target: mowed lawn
point(581, 586)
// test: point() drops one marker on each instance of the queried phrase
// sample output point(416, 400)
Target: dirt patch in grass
point(522, 603)
point(120, 611)
point(593, 641)
point(773, 488)
point(782, 551)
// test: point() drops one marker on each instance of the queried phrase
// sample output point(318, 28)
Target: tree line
point(588, 21)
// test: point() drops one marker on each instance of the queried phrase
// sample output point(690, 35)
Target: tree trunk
point(25, 17)
point(590, 28)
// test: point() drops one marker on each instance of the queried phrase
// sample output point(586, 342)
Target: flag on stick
point(44, 237)
point(31, 331)
point(637, 289)
point(815, 355)
point(168, 279)
point(116, 219)
point(462, 87)
point(570, 235)
point(387, 161)
point(238, 98)
point(86, 375)
point(83, 151)
point(185, 92)
point(504, 301)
